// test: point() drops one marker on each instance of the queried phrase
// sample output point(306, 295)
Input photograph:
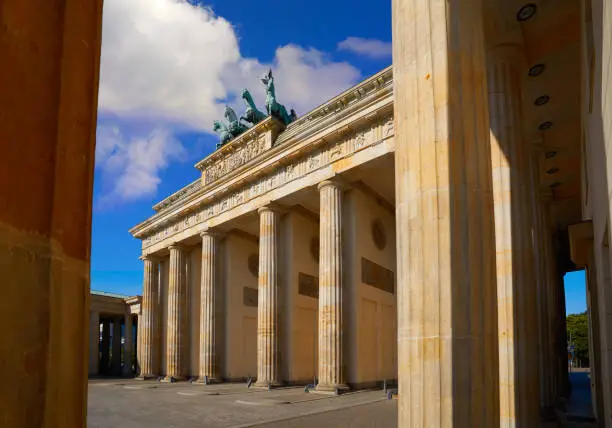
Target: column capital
point(271, 207)
point(334, 182)
point(176, 245)
point(212, 233)
point(148, 257)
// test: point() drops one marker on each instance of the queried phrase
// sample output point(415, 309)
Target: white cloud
point(372, 48)
point(171, 61)
point(170, 64)
point(133, 164)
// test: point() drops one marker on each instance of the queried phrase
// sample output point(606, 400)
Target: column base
point(335, 389)
point(172, 379)
point(146, 377)
point(206, 380)
point(266, 385)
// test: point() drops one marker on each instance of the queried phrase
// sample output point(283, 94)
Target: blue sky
point(167, 69)
point(575, 292)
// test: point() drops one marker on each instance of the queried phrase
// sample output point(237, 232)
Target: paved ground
point(130, 403)
point(579, 407)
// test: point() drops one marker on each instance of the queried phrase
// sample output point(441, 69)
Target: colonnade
point(330, 359)
point(111, 350)
point(478, 286)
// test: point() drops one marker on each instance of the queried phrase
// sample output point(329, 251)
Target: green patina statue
point(252, 113)
point(231, 130)
point(224, 135)
point(274, 108)
point(235, 127)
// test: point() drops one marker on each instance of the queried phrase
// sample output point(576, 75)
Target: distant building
point(114, 334)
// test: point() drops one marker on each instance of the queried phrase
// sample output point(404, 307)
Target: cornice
point(185, 191)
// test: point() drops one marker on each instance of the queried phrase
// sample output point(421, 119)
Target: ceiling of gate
point(551, 85)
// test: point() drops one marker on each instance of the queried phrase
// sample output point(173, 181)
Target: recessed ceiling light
point(550, 154)
point(540, 101)
point(526, 12)
point(536, 70)
point(555, 184)
point(552, 170)
point(544, 126)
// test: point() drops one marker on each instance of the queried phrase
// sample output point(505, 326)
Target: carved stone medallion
point(379, 235)
point(254, 264)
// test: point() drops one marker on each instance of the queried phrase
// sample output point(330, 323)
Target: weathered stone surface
point(208, 286)
point(149, 346)
point(447, 321)
point(331, 353)
point(267, 305)
point(177, 315)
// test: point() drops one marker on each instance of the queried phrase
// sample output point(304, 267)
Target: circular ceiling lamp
point(536, 70)
point(545, 126)
point(553, 170)
point(540, 101)
point(526, 12)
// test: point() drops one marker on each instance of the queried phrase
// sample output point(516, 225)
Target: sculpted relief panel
point(319, 157)
point(235, 159)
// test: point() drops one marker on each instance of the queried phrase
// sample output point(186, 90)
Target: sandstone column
point(94, 342)
point(516, 282)
point(50, 55)
point(267, 306)
point(177, 313)
point(331, 370)
point(148, 326)
point(116, 347)
point(447, 318)
point(127, 346)
point(208, 368)
point(104, 360)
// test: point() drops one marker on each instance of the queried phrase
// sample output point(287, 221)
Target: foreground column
point(447, 319)
point(516, 280)
point(331, 371)
point(177, 293)
point(148, 327)
point(94, 342)
point(267, 306)
point(208, 369)
point(50, 54)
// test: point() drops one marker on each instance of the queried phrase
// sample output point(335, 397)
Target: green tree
point(578, 333)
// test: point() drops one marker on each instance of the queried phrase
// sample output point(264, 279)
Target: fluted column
point(331, 370)
point(516, 282)
point(446, 284)
point(127, 346)
point(148, 326)
point(208, 363)
point(267, 306)
point(177, 294)
point(94, 342)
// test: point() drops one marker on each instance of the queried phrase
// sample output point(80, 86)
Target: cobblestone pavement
point(131, 403)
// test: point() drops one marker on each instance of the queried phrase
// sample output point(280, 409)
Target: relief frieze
point(319, 157)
